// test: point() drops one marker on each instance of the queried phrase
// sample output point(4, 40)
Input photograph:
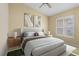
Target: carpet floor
point(18, 52)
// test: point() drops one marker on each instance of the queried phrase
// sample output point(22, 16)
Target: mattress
point(43, 46)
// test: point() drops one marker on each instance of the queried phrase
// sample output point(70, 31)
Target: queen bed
point(36, 43)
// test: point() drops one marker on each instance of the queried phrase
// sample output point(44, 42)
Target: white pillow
point(28, 34)
point(41, 33)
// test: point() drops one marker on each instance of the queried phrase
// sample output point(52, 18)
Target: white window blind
point(65, 26)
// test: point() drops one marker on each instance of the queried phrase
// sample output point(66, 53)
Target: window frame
point(64, 34)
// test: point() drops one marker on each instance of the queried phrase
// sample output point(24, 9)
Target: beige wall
point(3, 28)
point(52, 26)
point(16, 16)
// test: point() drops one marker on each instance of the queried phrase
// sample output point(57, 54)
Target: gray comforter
point(42, 46)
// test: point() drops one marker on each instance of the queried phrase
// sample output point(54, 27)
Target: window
point(65, 26)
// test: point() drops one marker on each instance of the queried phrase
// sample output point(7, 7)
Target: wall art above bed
point(31, 20)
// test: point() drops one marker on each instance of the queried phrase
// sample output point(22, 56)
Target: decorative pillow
point(28, 34)
point(36, 34)
point(41, 33)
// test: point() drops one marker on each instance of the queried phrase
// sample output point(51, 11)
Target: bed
point(35, 43)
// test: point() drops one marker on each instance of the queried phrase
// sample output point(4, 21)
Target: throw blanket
point(26, 39)
point(42, 45)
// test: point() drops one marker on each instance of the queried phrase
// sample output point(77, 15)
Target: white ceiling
point(56, 7)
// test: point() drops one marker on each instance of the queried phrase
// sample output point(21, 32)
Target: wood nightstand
point(12, 42)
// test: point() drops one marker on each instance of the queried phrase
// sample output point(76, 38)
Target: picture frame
point(32, 21)
point(28, 20)
point(37, 21)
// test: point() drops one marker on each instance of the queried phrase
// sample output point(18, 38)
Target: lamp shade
point(15, 34)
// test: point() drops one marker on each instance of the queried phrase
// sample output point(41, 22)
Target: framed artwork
point(28, 20)
point(37, 21)
point(32, 21)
